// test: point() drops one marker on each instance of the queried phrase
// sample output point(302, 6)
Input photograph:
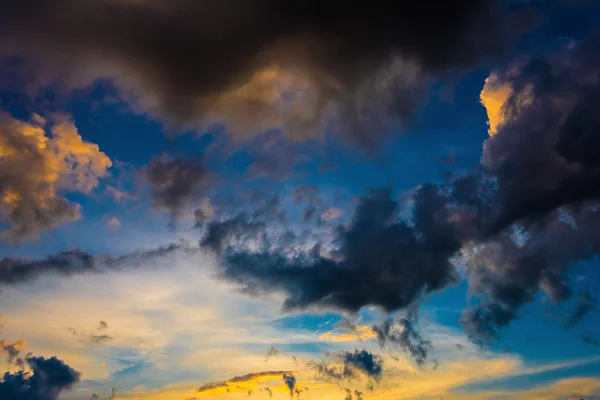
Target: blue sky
point(280, 234)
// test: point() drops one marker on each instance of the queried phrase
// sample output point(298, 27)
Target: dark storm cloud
point(16, 271)
point(48, 379)
point(181, 58)
point(176, 183)
point(546, 153)
point(220, 234)
point(402, 333)
point(507, 272)
point(382, 261)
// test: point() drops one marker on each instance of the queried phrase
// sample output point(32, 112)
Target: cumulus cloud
point(37, 166)
point(520, 221)
point(47, 380)
point(544, 155)
point(261, 65)
point(381, 261)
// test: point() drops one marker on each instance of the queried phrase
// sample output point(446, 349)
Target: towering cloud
point(37, 167)
point(256, 65)
point(544, 154)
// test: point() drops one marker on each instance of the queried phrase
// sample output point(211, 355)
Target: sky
point(299, 200)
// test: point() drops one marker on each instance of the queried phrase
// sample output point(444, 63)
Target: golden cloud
point(497, 96)
point(36, 166)
point(242, 383)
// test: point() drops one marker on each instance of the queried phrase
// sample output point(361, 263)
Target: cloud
point(403, 334)
point(381, 260)
point(272, 352)
point(584, 305)
point(48, 379)
point(363, 361)
point(97, 339)
point(37, 166)
point(507, 272)
point(241, 383)
point(12, 350)
point(550, 139)
point(16, 271)
point(176, 183)
point(259, 66)
point(351, 364)
point(501, 102)
point(289, 379)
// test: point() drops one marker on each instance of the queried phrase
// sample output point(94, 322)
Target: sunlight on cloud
point(497, 98)
point(37, 166)
point(494, 96)
point(273, 98)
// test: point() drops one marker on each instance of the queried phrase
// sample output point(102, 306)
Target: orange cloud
point(242, 383)
point(36, 166)
point(495, 97)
